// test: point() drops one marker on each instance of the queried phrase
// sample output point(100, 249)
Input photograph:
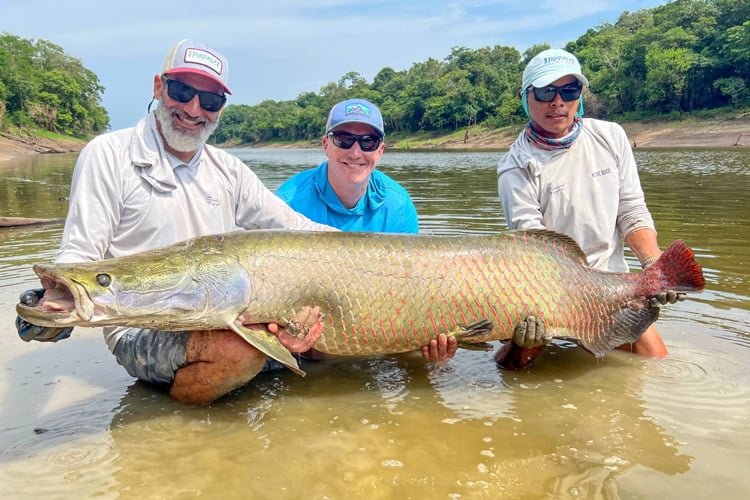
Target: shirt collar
point(373, 198)
point(156, 165)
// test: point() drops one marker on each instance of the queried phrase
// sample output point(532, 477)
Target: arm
point(644, 245)
point(258, 207)
point(529, 340)
point(95, 204)
point(520, 199)
point(522, 207)
point(633, 217)
point(410, 219)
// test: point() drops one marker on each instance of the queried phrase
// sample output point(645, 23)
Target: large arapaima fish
point(378, 293)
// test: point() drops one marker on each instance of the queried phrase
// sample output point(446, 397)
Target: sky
point(280, 49)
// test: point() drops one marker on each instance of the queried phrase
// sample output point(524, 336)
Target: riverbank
point(724, 132)
point(720, 132)
point(15, 146)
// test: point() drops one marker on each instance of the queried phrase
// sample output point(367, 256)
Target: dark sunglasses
point(184, 93)
point(569, 92)
point(345, 140)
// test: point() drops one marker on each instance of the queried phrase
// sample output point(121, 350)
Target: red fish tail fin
point(675, 270)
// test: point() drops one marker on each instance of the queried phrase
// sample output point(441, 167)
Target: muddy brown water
point(74, 424)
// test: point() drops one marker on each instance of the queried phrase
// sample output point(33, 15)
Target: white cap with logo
point(189, 56)
point(550, 65)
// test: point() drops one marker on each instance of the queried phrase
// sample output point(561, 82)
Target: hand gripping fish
point(378, 293)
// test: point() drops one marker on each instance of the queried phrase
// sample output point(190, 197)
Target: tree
point(44, 87)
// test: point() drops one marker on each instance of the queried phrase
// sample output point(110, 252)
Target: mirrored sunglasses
point(345, 140)
point(184, 93)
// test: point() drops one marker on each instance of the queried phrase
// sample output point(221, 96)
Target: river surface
point(73, 424)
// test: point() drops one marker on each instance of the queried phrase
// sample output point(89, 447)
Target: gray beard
point(182, 140)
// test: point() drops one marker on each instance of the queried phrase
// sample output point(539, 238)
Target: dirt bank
point(727, 131)
point(14, 146)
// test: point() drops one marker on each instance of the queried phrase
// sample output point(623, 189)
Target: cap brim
point(179, 71)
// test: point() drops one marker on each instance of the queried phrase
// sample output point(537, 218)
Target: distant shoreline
point(726, 132)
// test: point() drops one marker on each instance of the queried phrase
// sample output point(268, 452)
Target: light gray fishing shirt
point(590, 192)
point(129, 195)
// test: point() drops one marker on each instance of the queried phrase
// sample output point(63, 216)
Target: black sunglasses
point(184, 93)
point(345, 140)
point(569, 92)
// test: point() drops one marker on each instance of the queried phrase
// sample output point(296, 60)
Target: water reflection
point(74, 424)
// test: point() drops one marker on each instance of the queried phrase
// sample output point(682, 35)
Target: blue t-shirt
point(386, 207)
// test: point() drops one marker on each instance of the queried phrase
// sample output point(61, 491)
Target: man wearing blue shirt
point(346, 191)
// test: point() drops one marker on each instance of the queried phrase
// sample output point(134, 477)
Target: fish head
point(160, 289)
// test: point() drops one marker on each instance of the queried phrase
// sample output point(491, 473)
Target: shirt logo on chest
point(601, 172)
point(213, 202)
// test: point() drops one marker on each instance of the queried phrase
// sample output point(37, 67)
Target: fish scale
point(379, 293)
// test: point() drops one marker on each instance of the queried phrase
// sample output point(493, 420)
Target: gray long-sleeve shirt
point(590, 192)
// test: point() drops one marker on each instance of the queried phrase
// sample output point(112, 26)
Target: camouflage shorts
point(154, 355)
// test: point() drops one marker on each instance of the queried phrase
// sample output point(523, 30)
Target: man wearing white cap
point(578, 177)
point(348, 192)
point(159, 183)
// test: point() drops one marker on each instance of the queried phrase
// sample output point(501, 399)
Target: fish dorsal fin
point(564, 242)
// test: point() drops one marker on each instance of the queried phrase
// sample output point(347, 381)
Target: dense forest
point(681, 57)
point(43, 88)
point(684, 56)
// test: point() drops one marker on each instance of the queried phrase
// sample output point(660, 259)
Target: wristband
point(649, 261)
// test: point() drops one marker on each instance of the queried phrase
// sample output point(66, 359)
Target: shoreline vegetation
point(723, 131)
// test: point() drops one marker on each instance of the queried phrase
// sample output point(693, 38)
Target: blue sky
point(279, 49)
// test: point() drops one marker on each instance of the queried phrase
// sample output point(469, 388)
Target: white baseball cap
point(189, 56)
point(550, 65)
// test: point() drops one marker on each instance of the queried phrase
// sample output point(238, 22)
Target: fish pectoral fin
point(269, 345)
point(465, 333)
point(472, 330)
point(477, 346)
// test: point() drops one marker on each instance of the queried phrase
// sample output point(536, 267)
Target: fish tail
point(675, 270)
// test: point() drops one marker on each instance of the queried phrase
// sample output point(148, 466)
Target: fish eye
point(104, 280)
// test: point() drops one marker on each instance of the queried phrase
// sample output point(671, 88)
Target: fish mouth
point(65, 302)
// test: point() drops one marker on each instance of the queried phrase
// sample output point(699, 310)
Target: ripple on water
point(71, 444)
point(471, 386)
point(390, 376)
point(698, 398)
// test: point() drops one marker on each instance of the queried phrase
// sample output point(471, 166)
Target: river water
point(74, 424)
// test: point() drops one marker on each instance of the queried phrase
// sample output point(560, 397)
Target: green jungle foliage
point(43, 88)
point(685, 56)
point(682, 57)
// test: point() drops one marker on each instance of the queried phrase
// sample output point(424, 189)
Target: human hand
point(441, 348)
point(668, 297)
point(28, 331)
point(531, 332)
point(302, 332)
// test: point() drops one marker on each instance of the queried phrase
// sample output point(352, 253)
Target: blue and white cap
point(355, 111)
point(550, 65)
